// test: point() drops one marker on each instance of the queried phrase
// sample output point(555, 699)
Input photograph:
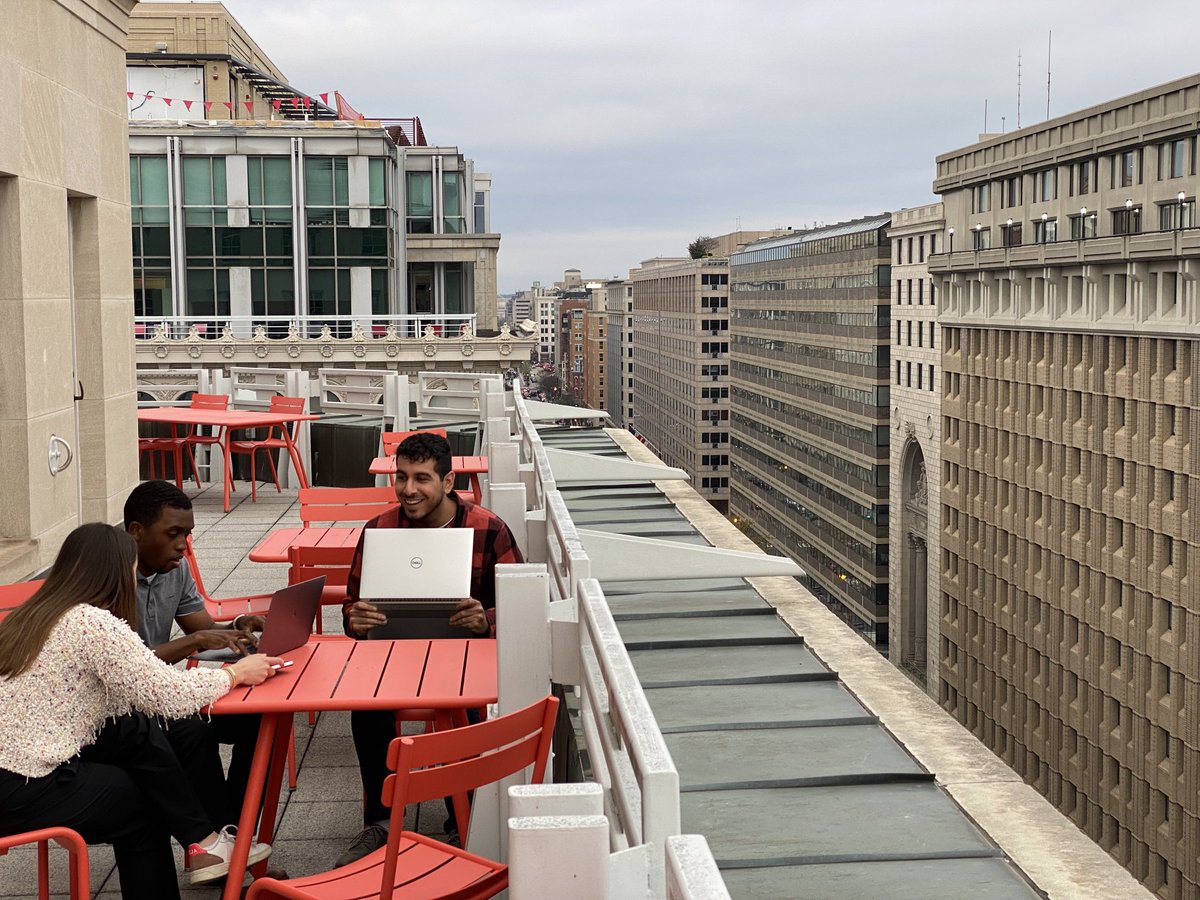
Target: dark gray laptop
point(289, 623)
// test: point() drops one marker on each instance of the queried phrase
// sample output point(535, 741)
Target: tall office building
point(681, 367)
point(914, 563)
point(809, 373)
point(1071, 467)
point(570, 346)
point(595, 359)
point(619, 337)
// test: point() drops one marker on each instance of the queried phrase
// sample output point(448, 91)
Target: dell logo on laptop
point(416, 562)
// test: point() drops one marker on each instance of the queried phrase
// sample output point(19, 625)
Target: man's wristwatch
point(235, 625)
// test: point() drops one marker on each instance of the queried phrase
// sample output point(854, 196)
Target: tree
point(702, 246)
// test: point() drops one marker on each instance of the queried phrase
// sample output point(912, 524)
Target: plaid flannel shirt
point(493, 544)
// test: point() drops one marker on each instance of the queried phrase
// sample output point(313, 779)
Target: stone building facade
point(1069, 323)
point(914, 560)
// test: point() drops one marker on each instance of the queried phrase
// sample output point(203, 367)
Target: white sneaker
point(213, 863)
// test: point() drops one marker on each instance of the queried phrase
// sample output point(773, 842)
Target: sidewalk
point(320, 818)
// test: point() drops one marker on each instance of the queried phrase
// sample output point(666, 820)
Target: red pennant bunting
point(295, 101)
point(187, 104)
point(325, 98)
point(167, 100)
point(208, 104)
point(129, 94)
point(249, 104)
point(278, 104)
point(228, 105)
point(307, 102)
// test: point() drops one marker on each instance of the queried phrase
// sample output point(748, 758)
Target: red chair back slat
point(210, 401)
point(445, 763)
point(329, 504)
point(393, 439)
point(77, 853)
point(309, 562)
point(13, 595)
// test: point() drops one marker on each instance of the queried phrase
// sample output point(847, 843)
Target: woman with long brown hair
point(78, 744)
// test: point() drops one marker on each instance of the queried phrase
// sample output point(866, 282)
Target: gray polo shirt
point(161, 599)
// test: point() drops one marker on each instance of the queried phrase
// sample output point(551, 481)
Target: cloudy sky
point(617, 130)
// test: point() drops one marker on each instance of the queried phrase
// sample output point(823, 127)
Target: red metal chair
point(332, 562)
point(273, 441)
point(175, 446)
point(329, 505)
point(13, 595)
point(77, 853)
point(429, 766)
point(228, 608)
point(196, 437)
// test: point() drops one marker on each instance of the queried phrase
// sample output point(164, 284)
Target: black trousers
point(127, 789)
point(372, 731)
point(196, 741)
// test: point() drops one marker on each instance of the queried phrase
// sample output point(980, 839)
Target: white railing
point(638, 801)
point(310, 327)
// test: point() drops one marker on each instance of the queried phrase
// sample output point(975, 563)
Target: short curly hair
point(425, 445)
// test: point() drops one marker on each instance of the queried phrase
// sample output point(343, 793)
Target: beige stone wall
point(1071, 448)
point(64, 230)
point(914, 526)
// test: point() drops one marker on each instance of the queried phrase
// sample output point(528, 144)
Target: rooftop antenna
point(1018, 88)
point(1049, 36)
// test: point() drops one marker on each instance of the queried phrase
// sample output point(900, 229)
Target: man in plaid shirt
point(424, 489)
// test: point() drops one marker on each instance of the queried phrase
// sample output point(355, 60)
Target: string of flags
point(293, 102)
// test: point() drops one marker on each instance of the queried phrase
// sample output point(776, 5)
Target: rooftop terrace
point(812, 766)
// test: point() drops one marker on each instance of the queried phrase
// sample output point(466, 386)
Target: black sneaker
point(368, 841)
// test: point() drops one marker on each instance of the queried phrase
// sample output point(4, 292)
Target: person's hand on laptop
point(364, 616)
point(469, 614)
point(224, 639)
point(248, 623)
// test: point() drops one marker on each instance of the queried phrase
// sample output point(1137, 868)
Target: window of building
point(1127, 220)
point(1175, 214)
point(920, 377)
point(932, 244)
point(1173, 159)
point(419, 201)
point(480, 212)
point(1045, 231)
point(920, 334)
point(910, 253)
point(908, 339)
point(897, 370)
point(920, 291)
point(1012, 191)
point(1046, 185)
point(908, 374)
point(981, 196)
point(1125, 168)
point(152, 288)
point(921, 248)
point(1084, 180)
point(1083, 226)
point(1011, 234)
point(981, 238)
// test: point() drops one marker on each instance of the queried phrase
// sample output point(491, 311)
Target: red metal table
point(472, 466)
point(449, 676)
point(275, 546)
point(228, 421)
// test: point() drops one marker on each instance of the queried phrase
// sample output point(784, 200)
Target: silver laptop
point(289, 623)
point(417, 576)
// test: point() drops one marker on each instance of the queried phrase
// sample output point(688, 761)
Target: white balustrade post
point(576, 848)
point(219, 383)
point(504, 466)
point(692, 873)
point(508, 502)
point(584, 798)
point(523, 676)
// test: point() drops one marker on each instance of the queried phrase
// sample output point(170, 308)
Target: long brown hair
point(94, 566)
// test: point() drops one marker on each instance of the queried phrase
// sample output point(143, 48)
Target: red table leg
point(267, 732)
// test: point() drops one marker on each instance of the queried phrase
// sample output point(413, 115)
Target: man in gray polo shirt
point(159, 518)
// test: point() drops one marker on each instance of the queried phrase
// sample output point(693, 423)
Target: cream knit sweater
point(93, 667)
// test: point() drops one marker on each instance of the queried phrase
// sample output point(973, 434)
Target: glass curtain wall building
point(809, 362)
point(252, 220)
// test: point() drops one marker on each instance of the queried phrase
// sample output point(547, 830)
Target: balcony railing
point(301, 327)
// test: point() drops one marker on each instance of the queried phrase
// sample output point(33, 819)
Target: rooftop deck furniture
point(279, 437)
point(76, 850)
point(447, 675)
point(13, 595)
point(427, 767)
point(328, 505)
point(228, 608)
point(276, 545)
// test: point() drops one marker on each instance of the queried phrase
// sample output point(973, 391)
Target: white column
point(237, 191)
point(360, 296)
point(359, 186)
point(239, 300)
point(578, 847)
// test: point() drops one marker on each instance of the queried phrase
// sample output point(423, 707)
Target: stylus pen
point(286, 664)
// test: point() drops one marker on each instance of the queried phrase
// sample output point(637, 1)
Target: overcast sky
point(616, 131)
